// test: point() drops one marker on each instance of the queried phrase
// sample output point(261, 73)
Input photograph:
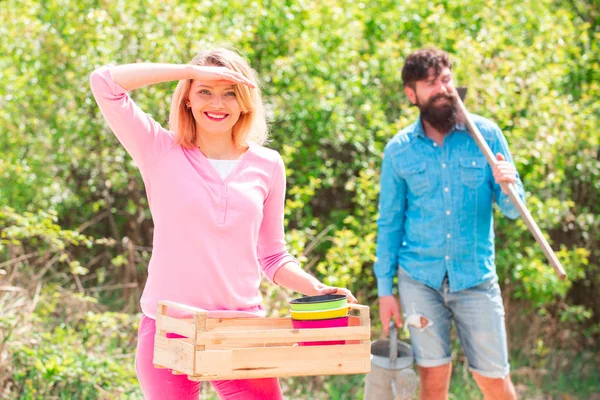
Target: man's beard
point(443, 117)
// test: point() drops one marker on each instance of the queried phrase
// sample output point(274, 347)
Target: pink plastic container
point(321, 323)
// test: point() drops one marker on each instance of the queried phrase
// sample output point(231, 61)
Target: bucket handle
point(393, 345)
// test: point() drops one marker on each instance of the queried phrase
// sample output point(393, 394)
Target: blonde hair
point(251, 125)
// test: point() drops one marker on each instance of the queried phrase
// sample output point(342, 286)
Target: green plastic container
point(319, 303)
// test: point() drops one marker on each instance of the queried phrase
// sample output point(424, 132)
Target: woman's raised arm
point(133, 76)
point(143, 138)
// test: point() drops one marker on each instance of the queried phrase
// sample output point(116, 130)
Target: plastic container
point(319, 303)
point(320, 315)
point(321, 323)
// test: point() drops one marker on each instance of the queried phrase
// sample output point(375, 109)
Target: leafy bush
point(331, 77)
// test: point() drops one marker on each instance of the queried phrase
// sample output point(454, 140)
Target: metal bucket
point(391, 376)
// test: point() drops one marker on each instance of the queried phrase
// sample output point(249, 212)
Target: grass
point(89, 355)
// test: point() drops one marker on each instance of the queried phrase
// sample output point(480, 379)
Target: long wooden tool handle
point(511, 190)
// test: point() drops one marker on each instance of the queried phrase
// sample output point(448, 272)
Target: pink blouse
point(212, 236)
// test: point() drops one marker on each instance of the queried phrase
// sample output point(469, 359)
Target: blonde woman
point(217, 201)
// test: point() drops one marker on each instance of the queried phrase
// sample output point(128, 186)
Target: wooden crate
point(243, 348)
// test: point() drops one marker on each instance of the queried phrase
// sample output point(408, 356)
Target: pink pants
point(162, 384)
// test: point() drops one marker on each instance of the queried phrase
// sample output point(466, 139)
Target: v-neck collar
point(207, 164)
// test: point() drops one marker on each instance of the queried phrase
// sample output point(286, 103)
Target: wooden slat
point(215, 362)
point(283, 335)
point(236, 324)
point(183, 327)
point(160, 311)
point(180, 307)
point(307, 358)
point(294, 361)
point(355, 321)
point(365, 318)
point(200, 321)
point(177, 354)
point(230, 346)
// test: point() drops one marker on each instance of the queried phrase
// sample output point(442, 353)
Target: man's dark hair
point(418, 63)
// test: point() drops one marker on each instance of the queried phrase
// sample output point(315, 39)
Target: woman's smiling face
point(214, 106)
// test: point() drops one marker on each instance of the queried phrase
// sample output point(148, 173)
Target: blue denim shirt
point(435, 208)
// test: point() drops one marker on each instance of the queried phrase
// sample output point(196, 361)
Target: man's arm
point(392, 207)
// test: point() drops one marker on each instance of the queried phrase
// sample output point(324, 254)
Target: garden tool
point(391, 376)
point(509, 188)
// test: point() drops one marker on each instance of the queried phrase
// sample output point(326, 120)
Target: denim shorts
point(478, 314)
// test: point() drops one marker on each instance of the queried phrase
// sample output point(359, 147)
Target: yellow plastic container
point(322, 314)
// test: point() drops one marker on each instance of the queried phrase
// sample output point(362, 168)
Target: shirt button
point(447, 212)
point(474, 163)
point(447, 257)
point(446, 189)
point(448, 236)
point(435, 145)
point(444, 165)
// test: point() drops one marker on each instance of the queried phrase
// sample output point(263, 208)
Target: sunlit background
point(76, 232)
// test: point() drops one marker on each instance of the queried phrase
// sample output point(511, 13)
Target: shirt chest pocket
point(472, 172)
point(416, 178)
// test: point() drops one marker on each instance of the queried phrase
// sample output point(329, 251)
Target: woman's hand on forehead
point(221, 75)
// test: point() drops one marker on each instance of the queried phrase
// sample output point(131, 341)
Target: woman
point(217, 201)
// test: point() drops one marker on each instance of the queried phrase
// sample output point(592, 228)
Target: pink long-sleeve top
point(212, 236)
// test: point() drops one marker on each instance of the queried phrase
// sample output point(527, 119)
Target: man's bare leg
point(435, 382)
point(496, 388)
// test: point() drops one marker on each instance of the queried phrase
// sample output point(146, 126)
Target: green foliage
point(331, 79)
point(41, 232)
point(67, 349)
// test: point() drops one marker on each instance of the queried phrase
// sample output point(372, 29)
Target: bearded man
point(436, 234)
